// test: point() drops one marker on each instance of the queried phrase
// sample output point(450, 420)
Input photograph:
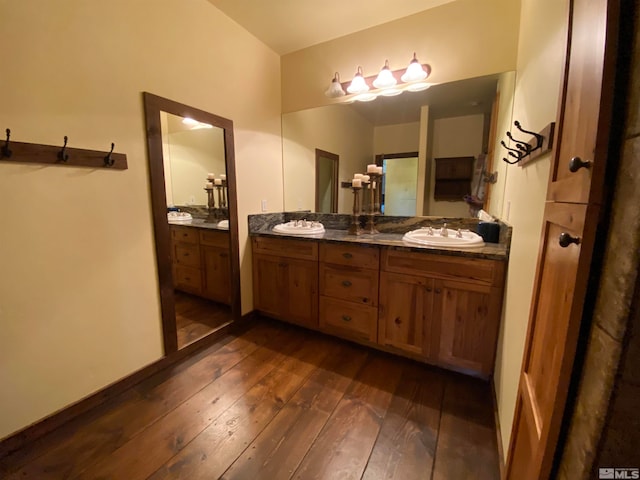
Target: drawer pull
point(185, 234)
point(282, 264)
point(346, 318)
point(429, 289)
point(347, 255)
point(398, 321)
point(565, 240)
point(187, 278)
point(438, 290)
point(186, 254)
point(346, 283)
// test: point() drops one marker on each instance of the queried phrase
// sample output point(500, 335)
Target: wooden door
point(301, 287)
point(469, 318)
point(567, 238)
point(269, 294)
point(406, 313)
point(216, 273)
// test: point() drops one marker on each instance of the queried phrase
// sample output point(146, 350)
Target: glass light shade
point(418, 87)
point(358, 85)
point(335, 89)
point(385, 78)
point(365, 97)
point(414, 71)
point(391, 92)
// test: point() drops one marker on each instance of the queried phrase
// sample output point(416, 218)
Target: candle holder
point(354, 228)
point(374, 204)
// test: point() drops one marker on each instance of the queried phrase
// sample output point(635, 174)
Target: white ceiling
point(290, 25)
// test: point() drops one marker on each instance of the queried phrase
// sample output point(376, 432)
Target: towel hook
point(62, 154)
point(108, 161)
point(5, 151)
point(539, 138)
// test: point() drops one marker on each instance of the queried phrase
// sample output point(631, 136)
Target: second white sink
point(299, 227)
point(435, 238)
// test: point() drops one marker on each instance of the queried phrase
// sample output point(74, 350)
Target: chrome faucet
point(443, 231)
point(459, 234)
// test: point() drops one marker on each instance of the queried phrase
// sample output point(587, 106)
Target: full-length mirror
point(435, 147)
point(192, 173)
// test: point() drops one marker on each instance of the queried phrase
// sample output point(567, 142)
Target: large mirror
point(193, 193)
point(409, 135)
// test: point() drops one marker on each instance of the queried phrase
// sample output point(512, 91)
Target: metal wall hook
point(5, 151)
point(512, 151)
point(108, 161)
point(539, 138)
point(62, 154)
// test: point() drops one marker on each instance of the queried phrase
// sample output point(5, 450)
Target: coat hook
point(108, 161)
point(539, 138)
point(62, 154)
point(5, 151)
point(512, 151)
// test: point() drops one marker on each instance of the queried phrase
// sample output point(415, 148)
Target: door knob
point(565, 240)
point(576, 163)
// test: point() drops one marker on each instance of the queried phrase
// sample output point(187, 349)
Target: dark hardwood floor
point(197, 317)
point(278, 402)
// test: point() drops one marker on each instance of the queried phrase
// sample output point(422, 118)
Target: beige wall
point(335, 129)
point(79, 304)
point(541, 51)
point(400, 138)
point(462, 39)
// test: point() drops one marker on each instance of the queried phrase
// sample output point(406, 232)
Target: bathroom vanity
point(436, 305)
point(200, 260)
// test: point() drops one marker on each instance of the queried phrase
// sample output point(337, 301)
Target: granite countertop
point(391, 230)
point(491, 251)
point(198, 223)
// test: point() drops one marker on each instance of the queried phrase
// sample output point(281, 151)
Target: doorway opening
point(399, 184)
point(326, 181)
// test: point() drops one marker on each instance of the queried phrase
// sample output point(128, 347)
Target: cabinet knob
point(186, 254)
point(347, 255)
point(438, 290)
point(346, 283)
point(565, 240)
point(429, 289)
point(576, 163)
point(346, 318)
point(398, 321)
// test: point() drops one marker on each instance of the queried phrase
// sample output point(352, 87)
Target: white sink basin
point(179, 217)
point(433, 237)
point(299, 227)
point(224, 224)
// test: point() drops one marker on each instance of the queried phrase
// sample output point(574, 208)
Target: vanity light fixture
point(414, 71)
point(195, 124)
point(335, 89)
point(358, 84)
point(385, 78)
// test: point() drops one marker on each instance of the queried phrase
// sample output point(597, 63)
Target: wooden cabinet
point(185, 254)
point(445, 310)
point(439, 309)
point(349, 290)
point(201, 262)
point(285, 279)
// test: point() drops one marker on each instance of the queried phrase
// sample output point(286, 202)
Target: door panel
point(302, 289)
point(217, 269)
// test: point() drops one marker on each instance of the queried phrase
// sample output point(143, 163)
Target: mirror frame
point(153, 105)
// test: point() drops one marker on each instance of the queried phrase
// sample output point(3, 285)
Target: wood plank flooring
point(278, 402)
point(197, 317)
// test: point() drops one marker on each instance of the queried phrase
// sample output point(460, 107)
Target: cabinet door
point(302, 292)
point(469, 318)
point(216, 274)
point(406, 313)
point(269, 294)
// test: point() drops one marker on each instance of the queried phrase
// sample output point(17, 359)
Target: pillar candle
point(356, 183)
point(223, 177)
point(366, 178)
point(208, 185)
point(379, 170)
point(217, 181)
point(210, 176)
point(372, 168)
point(358, 175)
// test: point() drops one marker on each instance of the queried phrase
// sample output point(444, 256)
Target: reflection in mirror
point(327, 166)
point(192, 172)
point(455, 120)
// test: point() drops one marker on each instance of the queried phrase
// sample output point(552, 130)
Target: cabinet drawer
point(348, 319)
point(349, 283)
point(352, 255)
point(305, 250)
point(184, 234)
point(489, 272)
point(187, 255)
point(214, 238)
point(188, 279)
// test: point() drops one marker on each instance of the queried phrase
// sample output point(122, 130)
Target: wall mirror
point(404, 133)
point(193, 196)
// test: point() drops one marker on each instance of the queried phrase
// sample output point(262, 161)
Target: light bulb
point(385, 78)
point(358, 85)
point(335, 89)
point(414, 71)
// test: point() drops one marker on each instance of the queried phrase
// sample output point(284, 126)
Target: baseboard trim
point(51, 422)
point(496, 418)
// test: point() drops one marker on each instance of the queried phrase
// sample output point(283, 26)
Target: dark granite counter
point(391, 231)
